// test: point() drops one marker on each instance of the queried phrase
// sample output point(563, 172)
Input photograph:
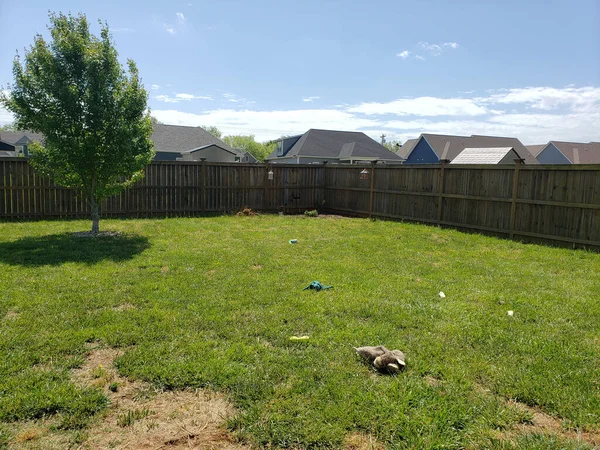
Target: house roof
point(178, 139)
point(490, 155)
point(448, 146)
point(586, 153)
point(338, 144)
point(16, 137)
point(535, 149)
point(406, 148)
point(227, 149)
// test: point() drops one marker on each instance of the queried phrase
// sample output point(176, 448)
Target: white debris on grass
point(511, 313)
point(442, 295)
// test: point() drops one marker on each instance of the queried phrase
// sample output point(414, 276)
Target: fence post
point(321, 203)
point(372, 184)
point(203, 190)
point(515, 189)
point(441, 185)
point(265, 205)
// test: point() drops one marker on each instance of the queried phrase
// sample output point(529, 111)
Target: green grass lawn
point(216, 300)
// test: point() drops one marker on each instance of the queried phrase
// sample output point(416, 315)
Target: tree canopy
point(248, 144)
point(8, 127)
point(93, 114)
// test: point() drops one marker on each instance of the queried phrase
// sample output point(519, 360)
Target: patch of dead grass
point(124, 307)
point(432, 381)
point(11, 314)
point(174, 420)
point(362, 441)
point(30, 434)
point(546, 424)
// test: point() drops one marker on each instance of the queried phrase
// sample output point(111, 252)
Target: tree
point(92, 114)
point(248, 144)
point(214, 131)
point(8, 127)
point(392, 146)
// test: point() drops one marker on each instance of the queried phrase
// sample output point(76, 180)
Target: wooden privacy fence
point(168, 188)
point(557, 204)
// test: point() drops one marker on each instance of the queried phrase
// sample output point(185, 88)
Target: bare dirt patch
point(544, 423)
point(257, 267)
point(139, 417)
point(124, 307)
point(362, 441)
point(12, 315)
point(39, 434)
point(432, 381)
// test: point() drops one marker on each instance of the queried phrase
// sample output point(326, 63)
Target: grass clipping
point(141, 418)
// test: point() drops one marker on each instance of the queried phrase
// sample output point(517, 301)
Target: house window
point(237, 159)
point(280, 148)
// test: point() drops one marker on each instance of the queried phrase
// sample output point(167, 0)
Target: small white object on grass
point(511, 313)
point(442, 295)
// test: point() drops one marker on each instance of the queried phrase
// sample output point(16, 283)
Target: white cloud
point(422, 106)
point(234, 98)
point(573, 114)
point(180, 17)
point(123, 30)
point(155, 87)
point(181, 97)
point(267, 125)
point(231, 97)
point(169, 28)
point(5, 115)
point(584, 99)
point(310, 99)
point(435, 49)
point(403, 54)
point(419, 57)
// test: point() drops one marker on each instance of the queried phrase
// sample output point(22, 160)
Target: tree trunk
point(95, 215)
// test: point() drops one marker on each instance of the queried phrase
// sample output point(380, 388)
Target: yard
point(211, 303)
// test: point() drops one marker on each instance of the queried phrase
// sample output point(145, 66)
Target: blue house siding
point(286, 144)
point(166, 156)
point(552, 155)
point(6, 146)
point(422, 153)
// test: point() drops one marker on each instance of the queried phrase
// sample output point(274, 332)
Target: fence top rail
point(585, 167)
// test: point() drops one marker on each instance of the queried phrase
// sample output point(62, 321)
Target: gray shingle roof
point(338, 144)
point(586, 153)
point(406, 148)
point(535, 149)
point(491, 155)
point(178, 139)
point(459, 143)
point(12, 137)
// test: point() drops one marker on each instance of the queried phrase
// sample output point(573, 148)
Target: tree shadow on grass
point(56, 249)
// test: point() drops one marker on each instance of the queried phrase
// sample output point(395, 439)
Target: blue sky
point(529, 69)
